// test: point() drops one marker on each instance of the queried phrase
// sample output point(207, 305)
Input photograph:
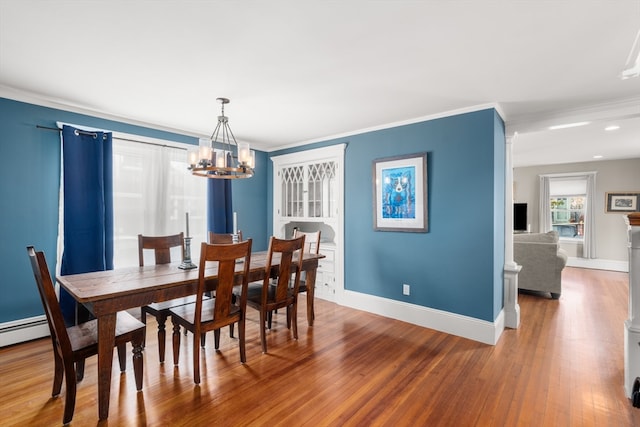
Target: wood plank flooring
point(562, 367)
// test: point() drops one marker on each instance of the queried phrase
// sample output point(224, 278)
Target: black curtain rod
point(77, 132)
point(84, 132)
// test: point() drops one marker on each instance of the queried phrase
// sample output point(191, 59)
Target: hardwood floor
point(562, 367)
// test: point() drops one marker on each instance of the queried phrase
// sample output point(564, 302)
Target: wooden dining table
point(105, 293)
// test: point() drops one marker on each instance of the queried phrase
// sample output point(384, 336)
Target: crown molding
point(449, 113)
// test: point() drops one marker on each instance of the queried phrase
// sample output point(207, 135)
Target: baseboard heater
point(23, 330)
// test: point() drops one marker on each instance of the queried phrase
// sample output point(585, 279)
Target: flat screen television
point(519, 217)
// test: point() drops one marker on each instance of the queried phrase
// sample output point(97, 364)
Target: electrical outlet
point(406, 289)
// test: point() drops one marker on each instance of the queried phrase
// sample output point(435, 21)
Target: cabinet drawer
point(327, 267)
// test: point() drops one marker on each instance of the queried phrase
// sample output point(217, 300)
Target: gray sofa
point(542, 261)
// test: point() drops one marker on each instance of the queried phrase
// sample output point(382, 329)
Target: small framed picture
point(400, 193)
point(621, 202)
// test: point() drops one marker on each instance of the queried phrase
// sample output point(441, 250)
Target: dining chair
point(223, 238)
point(312, 246)
point(72, 345)
point(278, 294)
point(214, 313)
point(161, 246)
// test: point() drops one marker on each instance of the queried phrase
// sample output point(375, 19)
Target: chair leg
point(263, 334)
point(269, 318)
point(176, 343)
point(241, 328)
point(58, 374)
point(70, 398)
point(79, 370)
point(231, 330)
point(216, 338)
point(196, 360)
point(122, 356)
point(288, 317)
point(294, 320)
point(138, 366)
point(203, 339)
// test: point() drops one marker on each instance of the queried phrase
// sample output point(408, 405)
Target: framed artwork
point(400, 193)
point(622, 202)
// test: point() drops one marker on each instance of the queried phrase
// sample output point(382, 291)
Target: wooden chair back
point(287, 251)
point(161, 245)
point(57, 327)
point(223, 238)
point(275, 291)
point(311, 241)
point(311, 245)
point(225, 256)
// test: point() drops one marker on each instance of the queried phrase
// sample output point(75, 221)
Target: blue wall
point(29, 176)
point(456, 266)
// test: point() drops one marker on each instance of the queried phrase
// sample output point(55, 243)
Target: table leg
point(311, 290)
point(106, 342)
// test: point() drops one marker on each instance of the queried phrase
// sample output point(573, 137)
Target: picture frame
point(400, 193)
point(621, 202)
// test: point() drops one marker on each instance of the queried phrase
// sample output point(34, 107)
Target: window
point(152, 191)
point(581, 187)
point(567, 215)
point(568, 201)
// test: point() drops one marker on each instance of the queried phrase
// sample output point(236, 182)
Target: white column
point(632, 324)
point(511, 269)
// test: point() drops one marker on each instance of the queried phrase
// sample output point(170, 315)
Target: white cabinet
point(308, 195)
point(326, 274)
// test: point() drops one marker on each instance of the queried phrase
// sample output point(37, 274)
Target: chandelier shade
point(221, 156)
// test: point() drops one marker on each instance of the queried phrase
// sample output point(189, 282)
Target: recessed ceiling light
point(597, 156)
point(612, 127)
point(568, 125)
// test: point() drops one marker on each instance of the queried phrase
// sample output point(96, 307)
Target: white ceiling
point(298, 71)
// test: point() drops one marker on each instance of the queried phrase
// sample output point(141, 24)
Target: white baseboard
point(599, 264)
point(443, 321)
point(22, 330)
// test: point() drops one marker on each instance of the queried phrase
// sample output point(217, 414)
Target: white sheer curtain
point(544, 210)
point(589, 246)
point(152, 192)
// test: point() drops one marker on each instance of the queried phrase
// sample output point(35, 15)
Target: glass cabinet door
point(292, 182)
point(321, 190)
point(309, 190)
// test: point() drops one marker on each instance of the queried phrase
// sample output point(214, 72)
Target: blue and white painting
point(399, 192)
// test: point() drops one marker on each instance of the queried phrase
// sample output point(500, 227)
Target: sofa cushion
point(542, 262)
point(549, 237)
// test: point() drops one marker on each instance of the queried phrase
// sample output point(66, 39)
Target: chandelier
point(220, 156)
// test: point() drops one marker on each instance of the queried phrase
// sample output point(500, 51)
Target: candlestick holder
point(186, 262)
point(235, 238)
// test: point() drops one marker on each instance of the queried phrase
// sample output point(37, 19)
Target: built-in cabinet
point(308, 191)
